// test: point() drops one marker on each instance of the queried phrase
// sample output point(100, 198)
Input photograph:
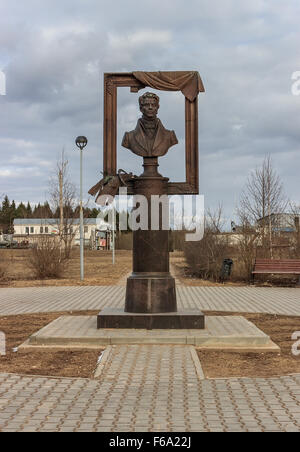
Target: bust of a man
point(149, 138)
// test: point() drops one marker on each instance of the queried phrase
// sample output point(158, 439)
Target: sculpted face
point(149, 138)
point(149, 107)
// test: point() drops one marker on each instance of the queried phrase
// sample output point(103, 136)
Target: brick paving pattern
point(149, 388)
point(285, 301)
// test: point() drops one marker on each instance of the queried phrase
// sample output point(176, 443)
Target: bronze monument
point(150, 294)
point(150, 288)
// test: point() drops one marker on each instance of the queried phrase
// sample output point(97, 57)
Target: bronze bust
point(149, 138)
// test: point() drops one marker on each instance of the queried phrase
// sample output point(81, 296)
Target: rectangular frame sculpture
point(190, 83)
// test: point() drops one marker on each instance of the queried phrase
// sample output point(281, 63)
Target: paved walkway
point(149, 388)
point(285, 301)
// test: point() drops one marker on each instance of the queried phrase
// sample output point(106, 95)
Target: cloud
point(139, 38)
point(54, 56)
point(7, 173)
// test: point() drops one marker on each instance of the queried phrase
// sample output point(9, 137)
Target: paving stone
point(271, 300)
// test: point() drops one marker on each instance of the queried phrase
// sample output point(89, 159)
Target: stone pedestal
point(151, 288)
point(150, 293)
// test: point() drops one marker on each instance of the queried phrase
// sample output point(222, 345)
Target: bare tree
point(63, 202)
point(262, 197)
point(215, 220)
point(248, 238)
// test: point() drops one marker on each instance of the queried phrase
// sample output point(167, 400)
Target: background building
point(281, 222)
point(96, 232)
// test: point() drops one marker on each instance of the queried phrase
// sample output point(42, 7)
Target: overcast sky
point(54, 54)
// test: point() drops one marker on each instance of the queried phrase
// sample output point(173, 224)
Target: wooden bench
point(280, 266)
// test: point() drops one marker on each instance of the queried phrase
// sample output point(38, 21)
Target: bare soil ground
point(82, 363)
point(69, 363)
point(279, 328)
point(99, 270)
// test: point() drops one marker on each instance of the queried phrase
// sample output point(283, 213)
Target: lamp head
point(81, 142)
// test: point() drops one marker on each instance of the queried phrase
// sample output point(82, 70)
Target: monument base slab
point(117, 318)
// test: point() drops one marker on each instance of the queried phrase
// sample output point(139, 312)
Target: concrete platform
point(229, 333)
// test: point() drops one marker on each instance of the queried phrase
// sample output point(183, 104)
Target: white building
point(96, 232)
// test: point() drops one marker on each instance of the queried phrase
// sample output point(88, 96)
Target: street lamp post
point(81, 143)
point(113, 239)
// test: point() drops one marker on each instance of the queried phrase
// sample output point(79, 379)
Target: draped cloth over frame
point(188, 82)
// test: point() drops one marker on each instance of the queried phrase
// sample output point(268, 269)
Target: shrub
point(205, 257)
point(47, 260)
